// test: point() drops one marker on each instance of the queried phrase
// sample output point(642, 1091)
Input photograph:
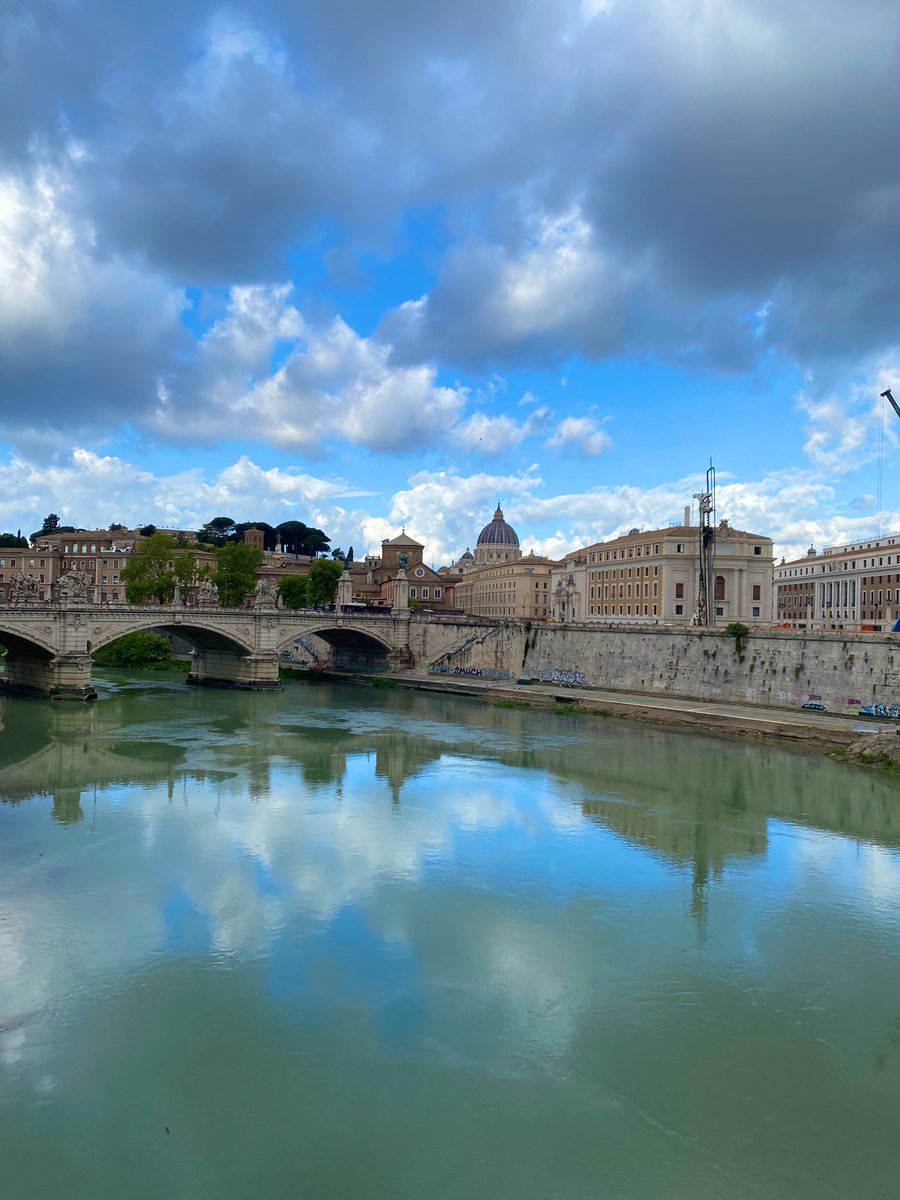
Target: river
point(344, 942)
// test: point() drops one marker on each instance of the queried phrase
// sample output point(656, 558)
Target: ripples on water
point(339, 942)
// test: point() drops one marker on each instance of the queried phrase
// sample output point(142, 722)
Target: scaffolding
point(706, 505)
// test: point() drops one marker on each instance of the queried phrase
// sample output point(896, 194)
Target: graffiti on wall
point(471, 672)
point(567, 678)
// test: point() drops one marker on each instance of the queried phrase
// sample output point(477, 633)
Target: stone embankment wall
point(768, 668)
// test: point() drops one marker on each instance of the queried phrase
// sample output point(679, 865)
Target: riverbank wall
point(771, 668)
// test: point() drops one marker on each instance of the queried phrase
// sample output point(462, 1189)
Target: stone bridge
point(49, 646)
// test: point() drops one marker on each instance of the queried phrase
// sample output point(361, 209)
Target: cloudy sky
point(369, 263)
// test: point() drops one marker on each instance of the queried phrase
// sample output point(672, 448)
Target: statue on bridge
point(265, 594)
point(76, 587)
point(23, 589)
point(207, 594)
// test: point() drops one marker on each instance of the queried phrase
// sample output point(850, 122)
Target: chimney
point(687, 514)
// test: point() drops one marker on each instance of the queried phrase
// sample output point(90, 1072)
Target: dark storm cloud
point(696, 181)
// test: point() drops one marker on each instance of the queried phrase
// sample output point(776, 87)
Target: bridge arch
point(30, 640)
point(352, 648)
point(202, 635)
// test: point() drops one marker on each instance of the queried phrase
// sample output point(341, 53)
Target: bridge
point(49, 646)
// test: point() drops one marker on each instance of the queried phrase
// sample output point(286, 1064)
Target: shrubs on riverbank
point(149, 650)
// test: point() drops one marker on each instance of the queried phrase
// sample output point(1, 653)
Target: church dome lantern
point(498, 533)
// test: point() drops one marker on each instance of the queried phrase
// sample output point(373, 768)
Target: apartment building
point(851, 586)
point(517, 589)
point(653, 576)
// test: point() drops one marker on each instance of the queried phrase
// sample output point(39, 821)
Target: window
point(720, 612)
point(679, 590)
point(679, 610)
point(412, 592)
point(757, 595)
point(756, 612)
point(679, 549)
point(720, 589)
point(757, 549)
point(437, 593)
point(424, 593)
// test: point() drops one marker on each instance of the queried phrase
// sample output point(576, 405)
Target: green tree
point(12, 539)
point(51, 528)
point(186, 570)
point(147, 530)
point(149, 575)
point(323, 578)
point(292, 534)
point(349, 558)
point(339, 555)
point(218, 531)
point(293, 591)
point(134, 650)
point(316, 542)
point(235, 574)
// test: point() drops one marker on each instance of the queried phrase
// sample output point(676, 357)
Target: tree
point(349, 558)
point(12, 539)
point(59, 529)
point(339, 555)
point(323, 578)
point(186, 571)
point(218, 531)
point(316, 542)
point(134, 650)
point(293, 590)
point(235, 574)
point(51, 523)
point(148, 575)
point(147, 531)
point(292, 534)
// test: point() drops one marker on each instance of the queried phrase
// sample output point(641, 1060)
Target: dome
point(498, 533)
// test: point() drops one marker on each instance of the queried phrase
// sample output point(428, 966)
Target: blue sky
point(366, 265)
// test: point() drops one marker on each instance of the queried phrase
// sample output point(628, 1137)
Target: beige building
point(852, 586)
point(653, 576)
point(100, 553)
point(497, 580)
point(372, 581)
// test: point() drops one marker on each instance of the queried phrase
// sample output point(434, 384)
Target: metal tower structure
point(706, 504)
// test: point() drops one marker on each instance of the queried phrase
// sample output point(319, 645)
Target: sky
point(366, 265)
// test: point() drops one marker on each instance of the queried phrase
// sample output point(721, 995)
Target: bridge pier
point(228, 669)
point(60, 677)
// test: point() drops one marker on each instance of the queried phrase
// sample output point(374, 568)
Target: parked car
point(814, 706)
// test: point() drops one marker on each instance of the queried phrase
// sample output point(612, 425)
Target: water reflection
point(468, 918)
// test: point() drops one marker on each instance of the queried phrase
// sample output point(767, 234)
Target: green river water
point(341, 942)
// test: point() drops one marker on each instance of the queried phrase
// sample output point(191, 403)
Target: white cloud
point(493, 301)
point(331, 384)
point(582, 435)
point(847, 429)
point(441, 508)
point(91, 490)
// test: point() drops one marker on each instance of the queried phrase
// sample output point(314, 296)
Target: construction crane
point(887, 394)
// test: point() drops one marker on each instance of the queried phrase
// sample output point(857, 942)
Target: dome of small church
point(498, 532)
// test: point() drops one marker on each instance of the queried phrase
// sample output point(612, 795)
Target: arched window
point(720, 587)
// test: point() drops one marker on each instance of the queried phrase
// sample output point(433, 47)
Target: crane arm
point(888, 395)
